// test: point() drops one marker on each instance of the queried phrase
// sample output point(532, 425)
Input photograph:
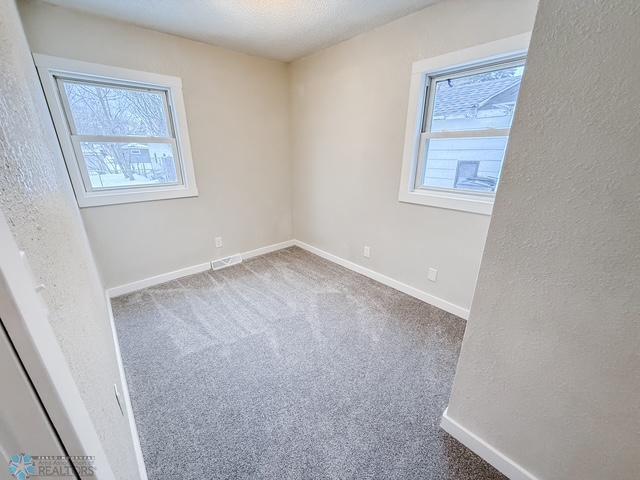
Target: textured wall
point(237, 111)
point(549, 367)
point(37, 201)
point(348, 113)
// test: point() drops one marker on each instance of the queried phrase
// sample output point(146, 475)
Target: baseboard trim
point(142, 469)
point(156, 280)
point(379, 277)
point(192, 270)
point(388, 281)
point(268, 249)
point(484, 450)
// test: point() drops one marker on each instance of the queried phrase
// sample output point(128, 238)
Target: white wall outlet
point(367, 251)
point(218, 241)
point(433, 274)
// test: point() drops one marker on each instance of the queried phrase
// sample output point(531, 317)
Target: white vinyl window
point(122, 132)
point(457, 136)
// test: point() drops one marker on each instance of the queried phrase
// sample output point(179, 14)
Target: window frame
point(53, 71)
point(461, 62)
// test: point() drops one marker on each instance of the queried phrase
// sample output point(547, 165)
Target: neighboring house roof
point(506, 96)
point(465, 98)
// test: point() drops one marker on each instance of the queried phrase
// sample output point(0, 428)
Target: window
point(459, 125)
point(122, 132)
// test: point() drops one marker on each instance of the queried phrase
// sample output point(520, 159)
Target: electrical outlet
point(367, 251)
point(433, 274)
point(218, 241)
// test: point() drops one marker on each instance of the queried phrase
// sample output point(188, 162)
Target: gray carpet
point(288, 366)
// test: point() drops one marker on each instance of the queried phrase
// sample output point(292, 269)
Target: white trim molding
point(388, 281)
point(268, 249)
point(184, 272)
point(484, 450)
point(50, 69)
point(500, 50)
point(379, 277)
point(156, 280)
point(142, 469)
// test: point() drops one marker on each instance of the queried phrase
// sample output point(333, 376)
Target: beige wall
point(348, 113)
point(347, 106)
point(38, 203)
point(550, 362)
point(237, 111)
point(548, 370)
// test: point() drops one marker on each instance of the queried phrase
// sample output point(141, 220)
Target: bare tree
point(115, 111)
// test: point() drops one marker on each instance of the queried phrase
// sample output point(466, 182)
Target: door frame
point(26, 319)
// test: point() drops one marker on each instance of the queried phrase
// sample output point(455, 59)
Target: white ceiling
point(278, 29)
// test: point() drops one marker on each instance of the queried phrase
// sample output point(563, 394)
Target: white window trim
point(48, 67)
point(499, 50)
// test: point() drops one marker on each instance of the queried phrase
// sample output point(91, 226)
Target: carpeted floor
point(288, 366)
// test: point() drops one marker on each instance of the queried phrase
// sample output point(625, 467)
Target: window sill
point(465, 202)
point(97, 199)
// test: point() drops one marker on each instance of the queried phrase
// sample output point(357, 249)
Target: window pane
point(109, 110)
point(129, 164)
point(476, 101)
point(472, 164)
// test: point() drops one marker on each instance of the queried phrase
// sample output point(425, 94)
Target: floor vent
point(226, 262)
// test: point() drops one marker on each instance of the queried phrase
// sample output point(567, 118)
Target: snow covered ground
point(118, 180)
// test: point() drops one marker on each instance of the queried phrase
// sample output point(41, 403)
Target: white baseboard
point(156, 280)
point(379, 277)
point(192, 270)
point(388, 281)
point(267, 249)
point(484, 450)
point(142, 469)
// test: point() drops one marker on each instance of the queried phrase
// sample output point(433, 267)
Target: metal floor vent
point(226, 262)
